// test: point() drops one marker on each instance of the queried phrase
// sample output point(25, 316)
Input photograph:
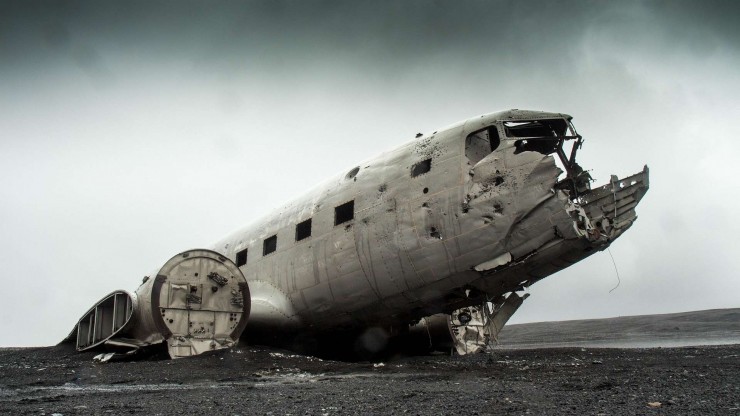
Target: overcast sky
point(132, 131)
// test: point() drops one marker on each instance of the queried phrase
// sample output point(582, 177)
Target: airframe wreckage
point(429, 243)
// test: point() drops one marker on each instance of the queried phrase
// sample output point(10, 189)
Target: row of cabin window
point(342, 214)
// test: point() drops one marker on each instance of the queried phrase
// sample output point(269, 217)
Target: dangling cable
point(619, 281)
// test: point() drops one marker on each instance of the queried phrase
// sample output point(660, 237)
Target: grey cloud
point(385, 35)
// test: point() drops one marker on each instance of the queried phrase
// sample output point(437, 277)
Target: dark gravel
point(256, 380)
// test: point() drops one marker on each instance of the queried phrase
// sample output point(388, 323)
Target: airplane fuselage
point(415, 231)
point(467, 215)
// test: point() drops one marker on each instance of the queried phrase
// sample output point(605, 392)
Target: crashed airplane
point(429, 246)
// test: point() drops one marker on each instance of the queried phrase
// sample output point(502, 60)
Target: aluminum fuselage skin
point(416, 245)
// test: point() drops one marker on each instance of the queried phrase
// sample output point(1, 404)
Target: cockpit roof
point(486, 120)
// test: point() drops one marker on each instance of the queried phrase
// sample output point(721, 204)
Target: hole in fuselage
point(351, 174)
point(421, 168)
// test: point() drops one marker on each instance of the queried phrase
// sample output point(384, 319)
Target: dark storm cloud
point(381, 36)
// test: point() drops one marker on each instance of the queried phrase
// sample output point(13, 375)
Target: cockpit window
point(481, 143)
point(536, 128)
point(541, 136)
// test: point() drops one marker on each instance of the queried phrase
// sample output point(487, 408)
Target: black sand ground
point(254, 380)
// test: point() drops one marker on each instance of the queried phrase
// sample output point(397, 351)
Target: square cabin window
point(270, 245)
point(241, 258)
point(344, 212)
point(303, 230)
